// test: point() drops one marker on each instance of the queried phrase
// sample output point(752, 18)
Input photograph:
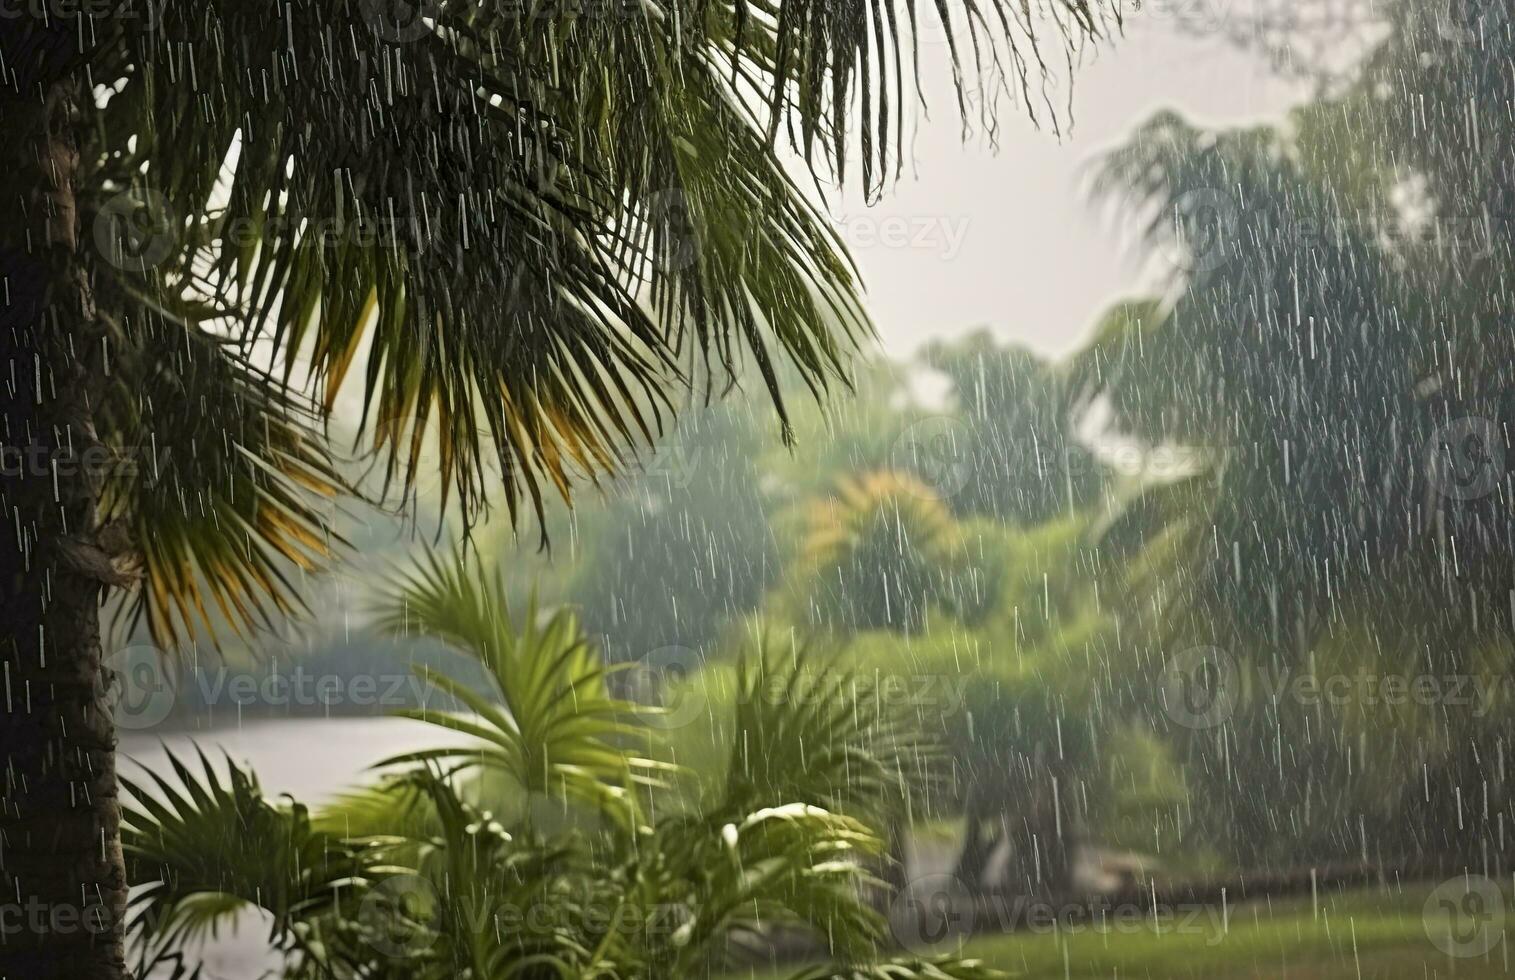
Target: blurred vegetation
point(967, 531)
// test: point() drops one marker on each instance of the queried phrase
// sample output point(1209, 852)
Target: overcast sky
point(1008, 239)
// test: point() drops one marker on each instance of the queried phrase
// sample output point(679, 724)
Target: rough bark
point(62, 881)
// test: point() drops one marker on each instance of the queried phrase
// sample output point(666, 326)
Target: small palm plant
point(449, 890)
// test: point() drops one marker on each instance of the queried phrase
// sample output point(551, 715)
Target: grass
point(1373, 935)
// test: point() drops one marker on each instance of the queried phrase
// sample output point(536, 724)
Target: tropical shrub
point(454, 890)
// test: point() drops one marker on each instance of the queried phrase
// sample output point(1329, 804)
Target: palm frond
point(225, 484)
point(208, 847)
point(792, 865)
point(876, 554)
point(469, 231)
point(810, 731)
point(445, 890)
point(555, 728)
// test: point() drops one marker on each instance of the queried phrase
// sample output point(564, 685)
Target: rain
point(757, 489)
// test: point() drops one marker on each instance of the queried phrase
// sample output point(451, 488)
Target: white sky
point(1009, 239)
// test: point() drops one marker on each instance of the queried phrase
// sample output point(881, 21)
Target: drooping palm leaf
point(224, 482)
point(508, 233)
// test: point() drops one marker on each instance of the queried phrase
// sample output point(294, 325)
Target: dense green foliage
point(1308, 400)
point(441, 885)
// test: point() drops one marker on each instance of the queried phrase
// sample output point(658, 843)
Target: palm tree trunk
point(973, 859)
point(62, 880)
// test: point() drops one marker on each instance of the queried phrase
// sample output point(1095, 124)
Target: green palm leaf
point(550, 721)
point(506, 235)
point(810, 731)
point(208, 847)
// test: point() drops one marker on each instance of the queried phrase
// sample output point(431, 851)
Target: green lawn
point(1374, 935)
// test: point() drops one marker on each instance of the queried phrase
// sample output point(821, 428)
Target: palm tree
point(416, 878)
point(1319, 346)
point(520, 228)
point(1285, 354)
point(1018, 441)
point(875, 555)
